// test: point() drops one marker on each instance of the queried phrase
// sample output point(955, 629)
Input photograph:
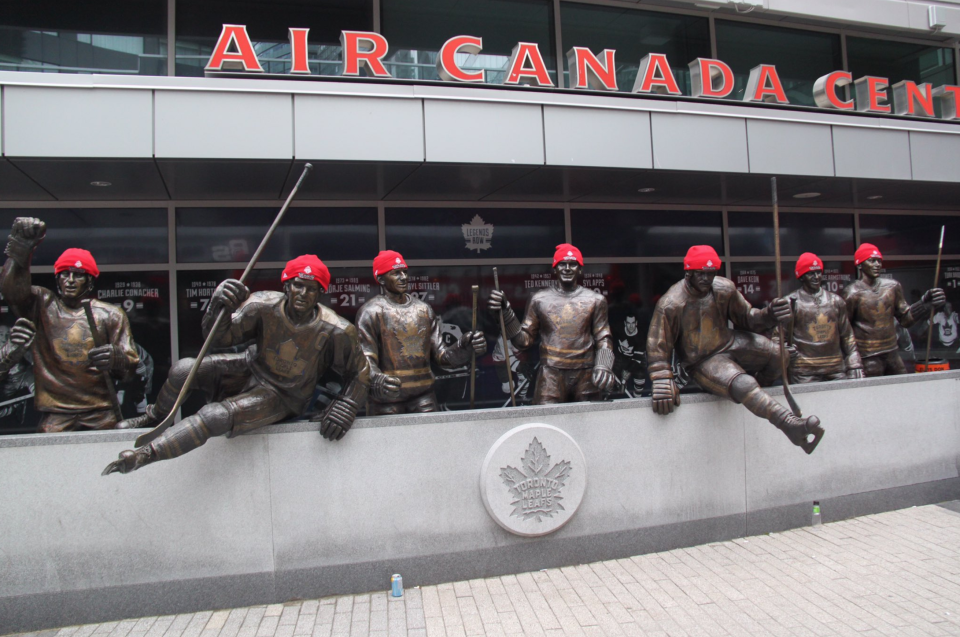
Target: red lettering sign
point(364, 49)
point(764, 85)
point(243, 58)
point(447, 67)
point(870, 92)
point(825, 91)
point(655, 76)
point(586, 71)
point(298, 51)
point(704, 76)
point(519, 73)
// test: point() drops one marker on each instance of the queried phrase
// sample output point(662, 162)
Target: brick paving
point(894, 573)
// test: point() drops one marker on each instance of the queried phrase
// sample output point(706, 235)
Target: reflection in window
point(99, 36)
point(232, 235)
point(113, 235)
point(464, 233)
point(800, 56)
point(634, 34)
point(900, 61)
point(199, 25)
point(416, 29)
point(647, 233)
point(751, 233)
point(910, 234)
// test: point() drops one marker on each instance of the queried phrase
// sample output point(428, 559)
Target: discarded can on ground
point(816, 513)
point(396, 585)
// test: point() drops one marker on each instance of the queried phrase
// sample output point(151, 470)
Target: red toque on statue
point(76, 258)
point(700, 257)
point(808, 261)
point(866, 251)
point(309, 267)
point(567, 252)
point(388, 260)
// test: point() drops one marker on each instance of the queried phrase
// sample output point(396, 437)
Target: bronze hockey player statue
point(576, 346)
point(399, 334)
point(821, 333)
point(732, 363)
point(875, 305)
point(71, 392)
point(12, 352)
point(297, 340)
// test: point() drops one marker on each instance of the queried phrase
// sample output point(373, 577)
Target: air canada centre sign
point(709, 78)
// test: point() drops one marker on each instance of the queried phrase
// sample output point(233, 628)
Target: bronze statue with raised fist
point(71, 391)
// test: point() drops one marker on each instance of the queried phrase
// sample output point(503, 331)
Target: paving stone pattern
point(894, 573)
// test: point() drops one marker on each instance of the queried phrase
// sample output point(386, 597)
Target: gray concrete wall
point(284, 514)
point(59, 117)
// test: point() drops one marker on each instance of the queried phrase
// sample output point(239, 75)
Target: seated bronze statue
point(297, 340)
point(733, 363)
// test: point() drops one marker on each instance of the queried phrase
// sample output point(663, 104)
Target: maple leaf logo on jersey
point(411, 337)
point(822, 331)
point(477, 234)
point(285, 360)
point(536, 488)
point(73, 347)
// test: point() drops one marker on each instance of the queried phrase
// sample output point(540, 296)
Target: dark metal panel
point(73, 179)
point(16, 186)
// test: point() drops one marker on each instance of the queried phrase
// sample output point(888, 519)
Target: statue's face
point(702, 280)
point(872, 267)
point(394, 281)
point(567, 272)
point(812, 280)
point(73, 285)
point(302, 295)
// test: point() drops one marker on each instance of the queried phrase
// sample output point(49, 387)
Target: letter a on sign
point(655, 76)
point(764, 85)
point(234, 51)
point(519, 73)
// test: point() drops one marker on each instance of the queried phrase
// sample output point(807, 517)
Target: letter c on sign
point(447, 67)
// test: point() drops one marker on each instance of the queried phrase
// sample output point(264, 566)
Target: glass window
point(634, 34)
point(751, 233)
point(112, 235)
point(145, 297)
point(800, 56)
point(199, 24)
point(416, 29)
point(464, 233)
point(99, 36)
point(910, 234)
point(644, 233)
point(233, 234)
point(900, 61)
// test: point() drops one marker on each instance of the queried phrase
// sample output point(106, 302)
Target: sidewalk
point(894, 573)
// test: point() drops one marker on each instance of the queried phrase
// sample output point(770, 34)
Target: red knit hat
point(388, 260)
point(700, 257)
point(309, 267)
point(76, 258)
point(808, 261)
point(866, 251)
point(567, 252)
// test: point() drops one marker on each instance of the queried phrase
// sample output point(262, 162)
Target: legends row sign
point(709, 78)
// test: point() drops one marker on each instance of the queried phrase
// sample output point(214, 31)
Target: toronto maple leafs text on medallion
point(536, 488)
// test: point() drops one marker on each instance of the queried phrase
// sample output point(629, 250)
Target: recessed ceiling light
point(646, 190)
point(101, 184)
point(806, 195)
point(874, 197)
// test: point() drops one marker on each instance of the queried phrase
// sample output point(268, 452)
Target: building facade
point(122, 131)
